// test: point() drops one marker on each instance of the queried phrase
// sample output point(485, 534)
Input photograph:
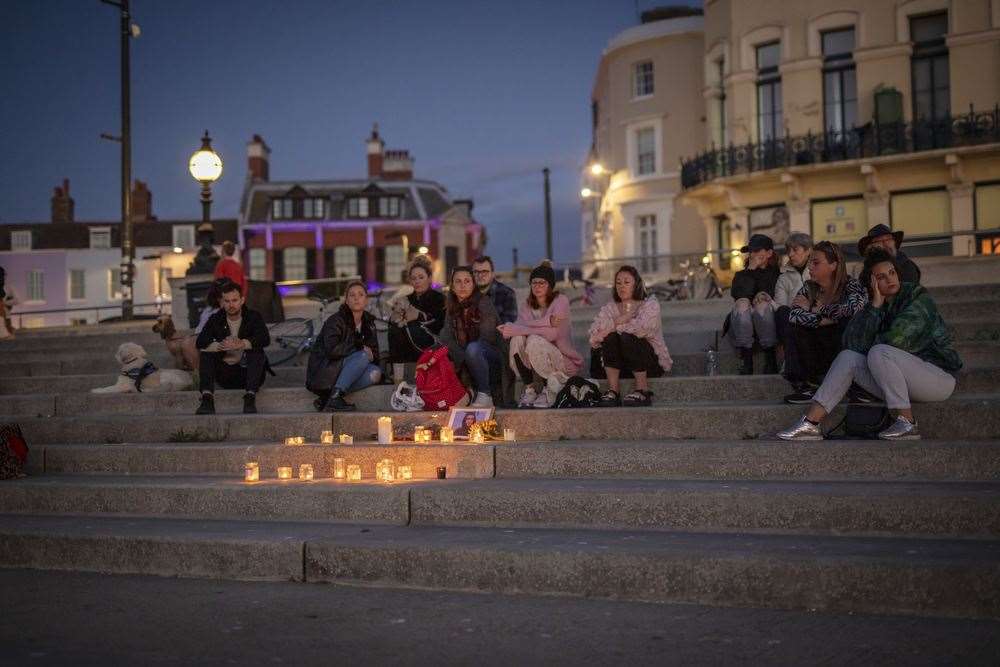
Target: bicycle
point(295, 336)
point(589, 292)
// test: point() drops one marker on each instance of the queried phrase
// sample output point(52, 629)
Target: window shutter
point(279, 264)
point(328, 268)
point(380, 265)
point(363, 263)
point(311, 263)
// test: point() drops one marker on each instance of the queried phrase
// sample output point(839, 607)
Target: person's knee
point(742, 306)
point(475, 348)
point(375, 374)
point(880, 352)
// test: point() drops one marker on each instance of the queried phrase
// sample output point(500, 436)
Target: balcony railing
point(865, 141)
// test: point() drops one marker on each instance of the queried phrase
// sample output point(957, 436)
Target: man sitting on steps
point(231, 351)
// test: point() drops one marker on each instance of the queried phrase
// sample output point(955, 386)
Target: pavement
point(56, 618)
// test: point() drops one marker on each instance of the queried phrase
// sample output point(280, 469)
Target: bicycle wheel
point(289, 339)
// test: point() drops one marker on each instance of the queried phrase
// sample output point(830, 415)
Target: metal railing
point(864, 141)
point(20, 314)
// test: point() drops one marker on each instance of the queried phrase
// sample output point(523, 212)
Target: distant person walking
point(229, 267)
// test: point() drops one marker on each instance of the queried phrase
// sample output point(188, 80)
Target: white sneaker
point(527, 398)
point(542, 402)
point(482, 400)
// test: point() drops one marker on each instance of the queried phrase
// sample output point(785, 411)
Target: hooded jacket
point(789, 283)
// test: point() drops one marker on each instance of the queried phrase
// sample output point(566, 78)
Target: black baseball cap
point(758, 242)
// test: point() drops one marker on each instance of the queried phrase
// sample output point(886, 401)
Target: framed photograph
point(460, 419)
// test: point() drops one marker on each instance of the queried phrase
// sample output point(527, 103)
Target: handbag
point(406, 398)
point(438, 384)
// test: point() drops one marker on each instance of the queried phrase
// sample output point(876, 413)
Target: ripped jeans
point(748, 319)
point(357, 372)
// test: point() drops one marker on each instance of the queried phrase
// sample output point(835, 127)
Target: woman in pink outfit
point(629, 335)
point(540, 346)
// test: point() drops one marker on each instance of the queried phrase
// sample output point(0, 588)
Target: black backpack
point(865, 422)
point(578, 393)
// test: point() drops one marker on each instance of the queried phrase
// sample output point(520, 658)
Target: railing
point(865, 141)
point(20, 314)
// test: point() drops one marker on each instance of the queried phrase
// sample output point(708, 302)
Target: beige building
point(647, 110)
point(831, 116)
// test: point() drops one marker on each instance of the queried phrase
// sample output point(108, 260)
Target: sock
point(812, 422)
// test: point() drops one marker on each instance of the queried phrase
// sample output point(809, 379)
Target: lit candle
point(346, 439)
point(509, 435)
point(385, 430)
point(326, 437)
point(478, 436)
point(427, 435)
point(405, 472)
point(251, 472)
point(354, 473)
point(338, 468)
point(385, 471)
point(418, 434)
point(295, 440)
point(447, 434)
point(284, 472)
point(306, 472)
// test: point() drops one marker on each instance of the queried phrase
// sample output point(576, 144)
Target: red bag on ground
point(438, 385)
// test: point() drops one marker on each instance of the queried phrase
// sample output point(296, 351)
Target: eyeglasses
point(539, 283)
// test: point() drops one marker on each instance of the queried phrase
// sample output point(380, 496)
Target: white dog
point(132, 357)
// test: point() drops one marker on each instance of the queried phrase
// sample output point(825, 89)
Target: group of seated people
point(878, 337)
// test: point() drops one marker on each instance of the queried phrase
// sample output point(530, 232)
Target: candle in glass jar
point(284, 472)
point(306, 472)
point(354, 473)
point(346, 439)
point(338, 468)
point(385, 430)
point(478, 436)
point(418, 434)
point(508, 435)
point(251, 472)
point(405, 472)
point(295, 440)
point(326, 437)
point(385, 470)
point(447, 434)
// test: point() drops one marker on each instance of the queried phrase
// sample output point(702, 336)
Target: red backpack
point(438, 385)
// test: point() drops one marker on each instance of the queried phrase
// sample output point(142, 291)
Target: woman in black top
point(753, 311)
point(417, 319)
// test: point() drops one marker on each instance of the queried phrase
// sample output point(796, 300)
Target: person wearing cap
point(880, 236)
point(753, 311)
point(541, 346)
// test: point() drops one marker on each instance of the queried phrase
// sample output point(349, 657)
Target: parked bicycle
point(292, 339)
point(699, 282)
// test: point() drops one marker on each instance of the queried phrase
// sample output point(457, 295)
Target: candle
point(326, 437)
point(418, 434)
point(354, 473)
point(295, 440)
point(385, 470)
point(346, 439)
point(385, 430)
point(284, 472)
point(405, 472)
point(427, 435)
point(338, 468)
point(478, 436)
point(442, 472)
point(306, 472)
point(251, 472)
point(447, 434)
point(508, 435)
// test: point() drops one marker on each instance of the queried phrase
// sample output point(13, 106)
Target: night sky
point(483, 94)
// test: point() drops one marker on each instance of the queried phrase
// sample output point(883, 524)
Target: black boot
point(746, 360)
point(338, 404)
point(770, 361)
point(249, 403)
point(207, 406)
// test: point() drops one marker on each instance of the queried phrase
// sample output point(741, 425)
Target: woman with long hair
point(541, 346)
point(416, 319)
point(752, 317)
point(628, 335)
point(470, 334)
point(820, 313)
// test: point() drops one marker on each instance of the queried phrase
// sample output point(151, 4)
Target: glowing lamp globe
point(205, 165)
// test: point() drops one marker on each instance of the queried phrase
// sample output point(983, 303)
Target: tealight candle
point(508, 435)
point(427, 435)
point(295, 440)
point(346, 439)
point(405, 472)
point(306, 472)
point(418, 434)
point(447, 434)
point(385, 470)
point(338, 468)
point(251, 472)
point(284, 472)
point(354, 473)
point(326, 437)
point(385, 430)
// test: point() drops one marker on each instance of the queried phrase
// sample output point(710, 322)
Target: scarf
point(465, 323)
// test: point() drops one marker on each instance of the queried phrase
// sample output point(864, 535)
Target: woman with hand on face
point(896, 348)
point(541, 347)
point(754, 307)
point(416, 320)
point(470, 334)
point(629, 334)
point(820, 313)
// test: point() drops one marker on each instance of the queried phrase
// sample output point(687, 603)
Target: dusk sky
point(483, 94)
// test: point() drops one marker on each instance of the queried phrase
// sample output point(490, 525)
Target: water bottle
point(711, 362)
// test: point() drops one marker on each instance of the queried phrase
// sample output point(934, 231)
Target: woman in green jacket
point(898, 348)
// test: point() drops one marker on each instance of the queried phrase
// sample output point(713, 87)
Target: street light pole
point(548, 217)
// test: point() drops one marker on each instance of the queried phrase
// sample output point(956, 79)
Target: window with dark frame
point(282, 209)
point(648, 246)
point(645, 149)
point(720, 65)
point(314, 208)
point(642, 77)
point(930, 67)
point(769, 124)
point(357, 207)
point(840, 88)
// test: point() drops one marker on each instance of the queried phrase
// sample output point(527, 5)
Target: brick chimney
point(397, 166)
point(62, 203)
point(142, 203)
point(258, 157)
point(375, 147)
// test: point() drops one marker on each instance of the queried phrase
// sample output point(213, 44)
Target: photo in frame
point(461, 419)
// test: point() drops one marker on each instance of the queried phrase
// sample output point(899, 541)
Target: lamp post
point(206, 167)
point(548, 218)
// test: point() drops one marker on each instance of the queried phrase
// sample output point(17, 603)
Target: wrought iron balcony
point(865, 141)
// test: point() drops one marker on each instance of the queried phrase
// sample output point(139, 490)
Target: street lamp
point(597, 169)
point(587, 193)
point(206, 167)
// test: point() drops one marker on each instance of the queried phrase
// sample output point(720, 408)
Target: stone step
point(289, 376)
point(924, 577)
point(90, 343)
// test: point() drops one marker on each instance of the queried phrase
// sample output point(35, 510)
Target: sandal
point(639, 399)
point(610, 399)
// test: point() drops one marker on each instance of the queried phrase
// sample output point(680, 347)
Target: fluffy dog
point(173, 340)
point(132, 358)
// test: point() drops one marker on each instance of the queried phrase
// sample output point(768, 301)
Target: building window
point(20, 240)
point(395, 264)
point(357, 207)
point(282, 209)
point(295, 263)
point(921, 213)
point(77, 284)
point(314, 208)
point(841, 221)
point(931, 84)
point(840, 89)
point(258, 264)
point(100, 237)
point(720, 103)
point(35, 283)
point(183, 236)
point(114, 283)
point(345, 261)
point(645, 150)
point(647, 242)
point(595, 116)
point(388, 207)
point(642, 79)
point(768, 92)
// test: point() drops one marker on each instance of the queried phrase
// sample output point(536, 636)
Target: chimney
point(258, 156)
point(375, 148)
point(465, 206)
point(398, 166)
point(142, 203)
point(62, 203)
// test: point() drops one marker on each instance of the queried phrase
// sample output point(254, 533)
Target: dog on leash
point(140, 375)
point(173, 340)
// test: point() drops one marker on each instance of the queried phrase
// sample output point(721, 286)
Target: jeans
point(356, 373)
point(480, 358)
point(887, 372)
point(747, 320)
point(247, 375)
